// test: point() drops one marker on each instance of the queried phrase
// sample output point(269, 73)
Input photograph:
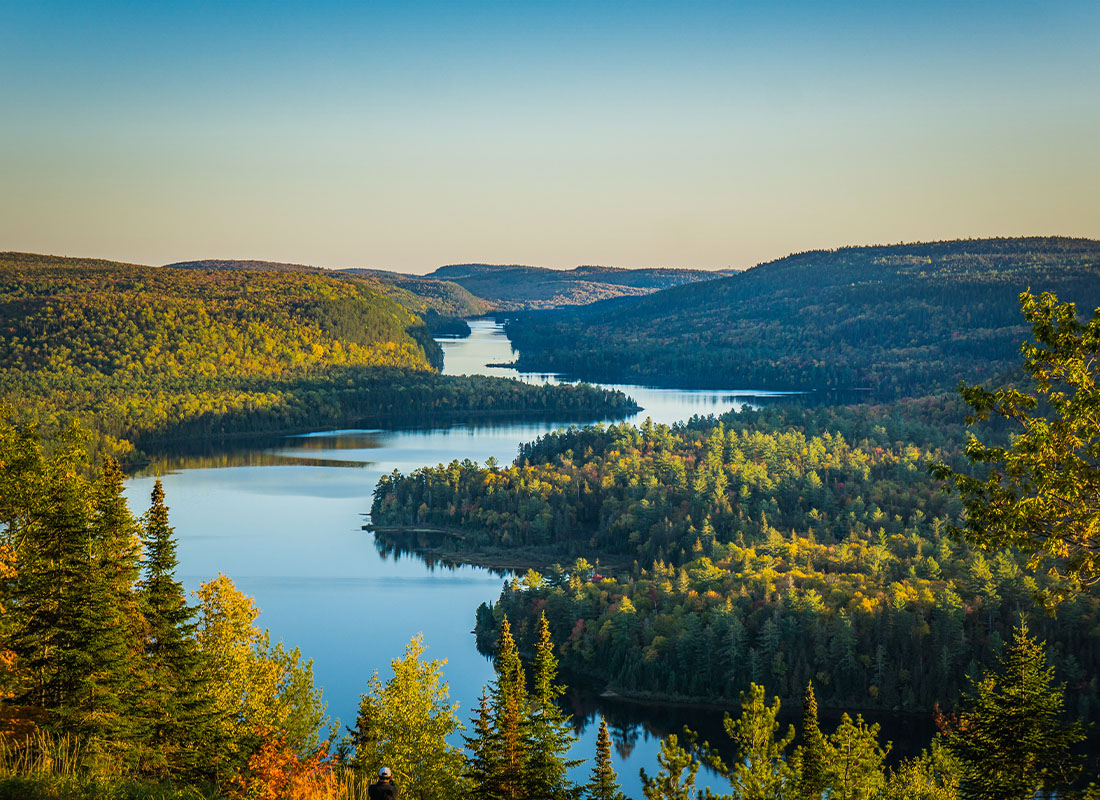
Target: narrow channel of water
point(284, 522)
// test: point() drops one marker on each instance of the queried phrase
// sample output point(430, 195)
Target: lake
point(284, 521)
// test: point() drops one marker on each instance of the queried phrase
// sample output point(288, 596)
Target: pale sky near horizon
point(414, 134)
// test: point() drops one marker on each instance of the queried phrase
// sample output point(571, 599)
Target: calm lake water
point(284, 522)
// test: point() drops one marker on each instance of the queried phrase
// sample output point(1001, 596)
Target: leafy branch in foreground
point(1042, 491)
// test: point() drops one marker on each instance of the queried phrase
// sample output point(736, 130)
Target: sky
point(407, 135)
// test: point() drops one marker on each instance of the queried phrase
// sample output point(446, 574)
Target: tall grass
point(58, 766)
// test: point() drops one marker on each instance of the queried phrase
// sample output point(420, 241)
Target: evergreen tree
point(1011, 740)
point(551, 736)
point(854, 759)
point(676, 778)
point(604, 784)
point(809, 758)
point(482, 761)
point(109, 617)
point(175, 702)
point(760, 771)
point(52, 589)
point(511, 721)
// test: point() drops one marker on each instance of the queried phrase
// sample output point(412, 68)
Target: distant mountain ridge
point(896, 320)
point(516, 286)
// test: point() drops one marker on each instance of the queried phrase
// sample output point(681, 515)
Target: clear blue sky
point(408, 135)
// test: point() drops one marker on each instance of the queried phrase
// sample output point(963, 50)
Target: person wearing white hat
point(384, 788)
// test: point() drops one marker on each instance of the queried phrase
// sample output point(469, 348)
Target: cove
point(284, 521)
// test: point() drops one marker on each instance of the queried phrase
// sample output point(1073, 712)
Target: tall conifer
point(175, 704)
point(510, 719)
point(604, 784)
point(551, 735)
point(809, 758)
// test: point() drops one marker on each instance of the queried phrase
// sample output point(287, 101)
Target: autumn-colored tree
point(405, 723)
point(277, 771)
point(251, 684)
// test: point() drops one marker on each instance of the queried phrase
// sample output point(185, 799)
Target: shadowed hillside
point(895, 320)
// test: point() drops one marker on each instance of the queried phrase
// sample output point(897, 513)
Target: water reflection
point(283, 517)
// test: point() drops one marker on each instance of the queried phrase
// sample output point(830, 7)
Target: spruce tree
point(551, 736)
point(482, 762)
point(175, 704)
point(604, 784)
point(809, 758)
point(511, 726)
point(106, 693)
point(1011, 740)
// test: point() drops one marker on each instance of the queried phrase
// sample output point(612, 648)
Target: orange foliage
point(277, 772)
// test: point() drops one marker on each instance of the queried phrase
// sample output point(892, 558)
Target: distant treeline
point(147, 354)
point(899, 320)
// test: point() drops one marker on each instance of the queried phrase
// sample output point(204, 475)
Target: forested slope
point(511, 287)
point(776, 547)
point(147, 353)
point(419, 295)
point(898, 320)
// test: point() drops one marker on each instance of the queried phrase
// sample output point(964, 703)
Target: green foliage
point(551, 735)
point(760, 770)
point(404, 724)
point(1011, 739)
point(675, 780)
point(604, 783)
point(898, 320)
point(854, 761)
point(146, 355)
point(809, 761)
point(1041, 492)
point(778, 547)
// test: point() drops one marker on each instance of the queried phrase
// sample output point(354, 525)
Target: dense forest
point(439, 302)
point(510, 287)
point(778, 546)
point(146, 354)
point(898, 320)
point(113, 685)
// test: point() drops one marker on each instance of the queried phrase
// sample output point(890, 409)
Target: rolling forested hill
point(899, 320)
point(424, 296)
point(146, 353)
point(511, 287)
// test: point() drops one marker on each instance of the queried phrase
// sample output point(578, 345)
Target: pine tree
point(760, 771)
point(604, 784)
point(551, 736)
point(1011, 740)
point(676, 778)
point(854, 760)
point(175, 703)
point(809, 758)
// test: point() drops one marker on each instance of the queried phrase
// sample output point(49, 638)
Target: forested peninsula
point(146, 355)
point(888, 321)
